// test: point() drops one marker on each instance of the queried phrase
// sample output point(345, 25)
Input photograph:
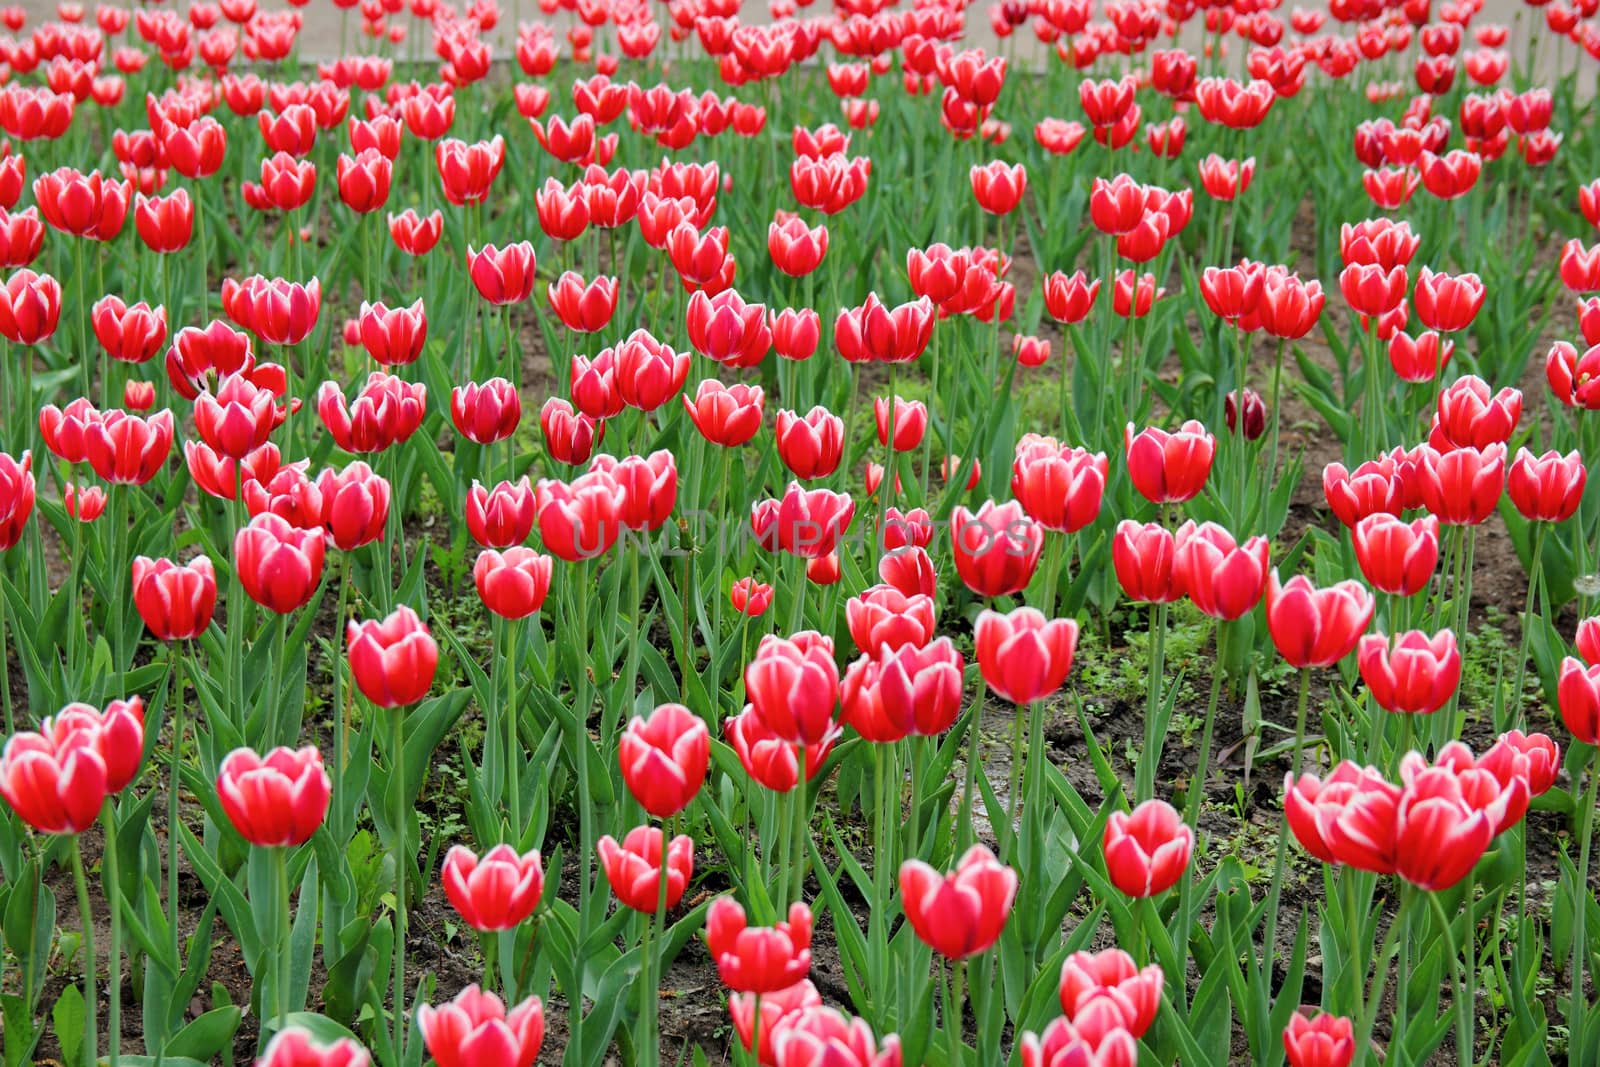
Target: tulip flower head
point(497, 891)
point(959, 914)
point(277, 800)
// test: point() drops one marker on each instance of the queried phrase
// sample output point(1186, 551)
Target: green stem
point(1576, 1022)
point(280, 858)
point(1462, 1009)
point(174, 757)
point(1146, 773)
point(1274, 894)
point(401, 862)
point(91, 1032)
point(1535, 576)
point(953, 1013)
point(108, 818)
point(512, 756)
point(964, 830)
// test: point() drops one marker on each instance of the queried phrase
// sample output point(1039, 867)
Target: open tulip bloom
point(521, 522)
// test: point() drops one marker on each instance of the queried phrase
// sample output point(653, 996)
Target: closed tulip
point(84, 503)
point(176, 602)
point(1146, 851)
point(294, 1047)
point(355, 505)
point(725, 415)
point(387, 411)
point(648, 373)
point(1395, 556)
point(633, 867)
point(959, 914)
point(1223, 578)
point(1413, 674)
point(279, 564)
point(903, 690)
point(413, 234)
point(768, 758)
point(236, 420)
point(276, 310)
point(54, 780)
point(486, 413)
point(394, 336)
point(726, 329)
point(909, 419)
point(758, 959)
point(275, 801)
point(502, 275)
point(1470, 414)
point(1319, 1040)
point(1375, 486)
point(775, 1009)
point(583, 306)
point(1346, 818)
point(1578, 696)
point(812, 445)
point(1111, 974)
point(1439, 835)
point(648, 484)
point(497, 891)
point(579, 520)
point(1024, 656)
point(1314, 627)
point(570, 436)
point(477, 1030)
point(83, 205)
point(17, 495)
point(30, 307)
point(364, 180)
point(1169, 468)
point(996, 548)
point(883, 617)
point(1064, 1044)
point(129, 334)
point(796, 249)
point(1061, 488)
point(1462, 486)
point(1447, 302)
point(1546, 488)
point(164, 223)
point(750, 597)
point(1144, 557)
point(1069, 299)
point(392, 660)
point(513, 584)
point(502, 516)
point(664, 758)
point(998, 187)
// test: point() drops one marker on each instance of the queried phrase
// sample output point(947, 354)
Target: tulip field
point(1044, 533)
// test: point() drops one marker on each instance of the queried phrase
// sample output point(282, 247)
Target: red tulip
point(477, 1029)
point(873, 332)
point(996, 549)
point(664, 758)
point(1533, 757)
point(512, 584)
point(1069, 299)
point(883, 617)
point(1170, 468)
point(502, 516)
point(85, 504)
point(726, 329)
point(1500, 790)
point(793, 685)
point(355, 505)
point(807, 523)
point(83, 205)
point(823, 1037)
point(30, 307)
point(1439, 835)
point(1578, 696)
point(1414, 674)
point(750, 597)
point(364, 180)
point(959, 914)
point(1395, 556)
point(294, 1047)
point(129, 334)
point(495, 892)
point(649, 487)
point(393, 336)
point(502, 275)
point(286, 184)
point(413, 235)
point(21, 236)
point(392, 661)
point(1347, 818)
point(1224, 579)
point(279, 564)
point(563, 212)
point(467, 171)
point(1314, 627)
point(811, 446)
point(1111, 975)
point(1144, 558)
point(1059, 487)
point(796, 249)
point(908, 689)
point(387, 411)
point(909, 419)
point(1470, 414)
point(776, 1009)
point(583, 306)
point(486, 413)
point(1462, 486)
point(275, 801)
point(1024, 656)
point(164, 224)
point(237, 419)
point(1546, 488)
point(1063, 1044)
point(633, 867)
point(1226, 179)
point(17, 492)
point(276, 310)
point(1373, 487)
point(1372, 290)
point(758, 959)
point(998, 187)
point(580, 520)
point(1319, 1040)
point(175, 602)
point(647, 373)
point(126, 449)
point(196, 150)
point(569, 436)
point(1146, 851)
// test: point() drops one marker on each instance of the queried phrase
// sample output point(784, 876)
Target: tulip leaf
point(206, 1036)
